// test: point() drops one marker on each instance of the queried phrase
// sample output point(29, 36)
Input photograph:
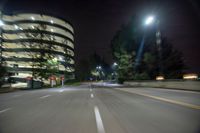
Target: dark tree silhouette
point(168, 62)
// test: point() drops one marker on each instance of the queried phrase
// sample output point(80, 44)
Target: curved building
point(29, 39)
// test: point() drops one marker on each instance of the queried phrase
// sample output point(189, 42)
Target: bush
point(141, 76)
point(121, 80)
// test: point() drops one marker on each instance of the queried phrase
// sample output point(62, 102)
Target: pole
point(139, 53)
point(158, 44)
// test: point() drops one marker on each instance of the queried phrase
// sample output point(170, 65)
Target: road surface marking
point(99, 122)
point(17, 95)
point(61, 91)
point(5, 110)
point(170, 101)
point(91, 95)
point(45, 96)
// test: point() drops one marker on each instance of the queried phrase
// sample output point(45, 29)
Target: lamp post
point(153, 20)
point(114, 66)
point(99, 68)
point(158, 44)
point(149, 21)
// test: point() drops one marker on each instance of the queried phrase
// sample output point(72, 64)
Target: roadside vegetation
point(167, 61)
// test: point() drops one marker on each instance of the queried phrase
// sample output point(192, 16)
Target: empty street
point(100, 109)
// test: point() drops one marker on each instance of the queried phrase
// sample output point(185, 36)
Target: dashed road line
point(42, 97)
point(90, 88)
point(61, 91)
point(2, 111)
point(99, 121)
point(17, 95)
point(92, 95)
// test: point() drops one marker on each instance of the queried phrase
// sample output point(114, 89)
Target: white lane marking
point(91, 95)
point(61, 91)
point(99, 122)
point(17, 95)
point(90, 88)
point(5, 110)
point(45, 96)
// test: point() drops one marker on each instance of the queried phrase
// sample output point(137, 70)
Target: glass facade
point(26, 36)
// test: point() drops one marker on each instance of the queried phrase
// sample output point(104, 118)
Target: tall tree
point(124, 45)
point(168, 61)
point(125, 66)
point(172, 60)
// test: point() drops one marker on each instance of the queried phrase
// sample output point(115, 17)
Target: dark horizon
point(96, 22)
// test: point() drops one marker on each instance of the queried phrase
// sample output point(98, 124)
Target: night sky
point(96, 21)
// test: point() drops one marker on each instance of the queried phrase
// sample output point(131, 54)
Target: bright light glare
point(55, 59)
point(190, 76)
point(1, 23)
point(115, 64)
point(16, 27)
point(60, 58)
point(32, 18)
point(149, 20)
point(51, 21)
point(98, 67)
point(160, 78)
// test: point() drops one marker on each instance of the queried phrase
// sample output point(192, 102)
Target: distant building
point(24, 35)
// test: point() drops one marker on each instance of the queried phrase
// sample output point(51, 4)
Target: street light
point(152, 20)
point(1, 23)
point(99, 69)
point(60, 58)
point(149, 21)
point(32, 18)
point(114, 64)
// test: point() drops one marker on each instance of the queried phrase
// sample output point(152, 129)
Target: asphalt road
point(86, 109)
